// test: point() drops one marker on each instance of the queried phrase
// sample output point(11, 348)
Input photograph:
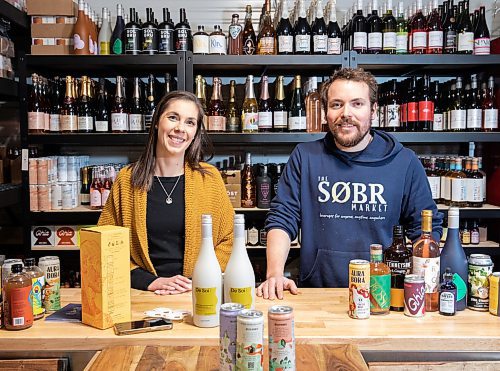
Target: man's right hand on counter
point(273, 287)
point(170, 285)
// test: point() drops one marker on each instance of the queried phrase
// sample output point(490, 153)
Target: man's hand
point(273, 287)
point(170, 285)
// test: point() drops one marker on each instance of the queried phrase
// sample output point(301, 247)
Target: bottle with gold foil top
point(280, 111)
point(37, 286)
point(69, 117)
point(85, 111)
point(216, 110)
point(207, 280)
point(18, 313)
point(250, 109)
point(380, 282)
point(119, 115)
point(248, 187)
point(239, 278)
point(233, 114)
point(200, 94)
point(426, 262)
point(249, 39)
point(267, 34)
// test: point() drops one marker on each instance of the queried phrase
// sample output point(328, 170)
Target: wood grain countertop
point(320, 318)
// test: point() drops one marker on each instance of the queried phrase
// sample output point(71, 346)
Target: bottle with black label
point(263, 182)
point(132, 39)
point(183, 38)
point(102, 108)
point(150, 34)
point(149, 104)
point(166, 34)
point(448, 295)
point(275, 179)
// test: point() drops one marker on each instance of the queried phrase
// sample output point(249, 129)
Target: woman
point(162, 196)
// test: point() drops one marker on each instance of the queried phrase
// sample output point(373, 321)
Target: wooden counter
point(320, 318)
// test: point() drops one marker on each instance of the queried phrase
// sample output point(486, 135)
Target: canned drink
point(33, 171)
point(43, 171)
point(359, 289)
point(250, 340)
point(33, 197)
point(495, 293)
point(62, 168)
point(281, 335)
point(414, 295)
point(72, 170)
point(56, 196)
point(44, 203)
point(227, 339)
point(66, 196)
point(52, 272)
point(480, 268)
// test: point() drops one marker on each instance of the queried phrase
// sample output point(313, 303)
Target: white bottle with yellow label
point(239, 278)
point(207, 280)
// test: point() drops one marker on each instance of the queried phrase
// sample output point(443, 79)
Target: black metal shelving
point(13, 14)
point(10, 194)
point(9, 88)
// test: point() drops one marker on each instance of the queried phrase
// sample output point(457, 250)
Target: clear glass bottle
point(265, 107)
point(216, 111)
point(18, 312)
point(37, 287)
point(248, 186)
point(267, 34)
point(297, 112)
point(380, 282)
point(313, 107)
point(233, 114)
point(250, 109)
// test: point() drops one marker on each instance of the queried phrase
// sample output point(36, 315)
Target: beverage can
point(281, 338)
point(495, 293)
point(250, 340)
point(414, 295)
point(359, 289)
point(227, 339)
point(50, 267)
point(479, 269)
point(62, 168)
point(56, 196)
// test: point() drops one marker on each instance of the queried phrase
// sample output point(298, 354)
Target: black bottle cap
point(17, 268)
point(29, 262)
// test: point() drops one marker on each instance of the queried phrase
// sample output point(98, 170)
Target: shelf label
point(24, 159)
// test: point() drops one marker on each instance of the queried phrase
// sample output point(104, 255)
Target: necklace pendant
point(168, 200)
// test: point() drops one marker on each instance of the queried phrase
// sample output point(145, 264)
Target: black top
point(165, 229)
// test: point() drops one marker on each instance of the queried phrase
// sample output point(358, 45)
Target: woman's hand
point(170, 285)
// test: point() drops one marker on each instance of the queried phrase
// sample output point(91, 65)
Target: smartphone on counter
point(147, 325)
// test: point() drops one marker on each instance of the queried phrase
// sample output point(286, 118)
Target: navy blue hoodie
point(343, 202)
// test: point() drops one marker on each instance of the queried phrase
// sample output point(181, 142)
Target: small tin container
point(495, 293)
point(250, 341)
point(480, 268)
point(414, 295)
point(281, 334)
point(359, 289)
point(227, 339)
point(51, 269)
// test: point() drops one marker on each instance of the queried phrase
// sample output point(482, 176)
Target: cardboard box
point(52, 7)
point(231, 176)
point(234, 193)
point(105, 275)
point(51, 49)
point(52, 30)
point(42, 236)
point(66, 236)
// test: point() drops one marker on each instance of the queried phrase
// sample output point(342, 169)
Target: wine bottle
point(55, 106)
point(250, 109)
point(102, 109)
point(435, 32)
point(149, 103)
point(267, 35)
point(280, 112)
point(297, 115)
point(359, 28)
point(398, 258)
point(474, 109)
point(412, 107)
point(401, 31)
point(425, 107)
point(116, 37)
point(233, 115)
point(302, 31)
point(149, 34)
point(119, 115)
point(375, 27)
point(450, 30)
point(437, 124)
point(249, 39)
point(85, 111)
point(200, 94)
point(426, 262)
point(319, 31)
point(166, 42)
point(313, 107)
point(69, 116)
point(235, 38)
point(263, 185)
point(284, 32)
point(458, 185)
point(207, 280)
point(453, 257)
point(182, 34)
point(465, 33)
point(389, 31)
point(481, 35)
point(265, 107)
point(36, 116)
point(135, 117)
point(419, 31)
point(81, 32)
point(248, 194)
point(334, 33)
point(458, 121)
point(216, 111)
point(392, 121)
point(490, 108)
point(133, 35)
point(105, 33)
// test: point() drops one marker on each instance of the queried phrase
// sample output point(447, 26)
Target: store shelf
point(10, 194)
point(481, 245)
point(52, 248)
point(444, 64)
point(13, 14)
point(487, 211)
point(250, 138)
point(9, 89)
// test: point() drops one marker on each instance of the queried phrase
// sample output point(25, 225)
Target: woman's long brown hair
point(200, 148)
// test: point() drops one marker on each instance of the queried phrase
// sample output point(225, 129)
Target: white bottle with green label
point(453, 257)
point(239, 278)
point(206, 280)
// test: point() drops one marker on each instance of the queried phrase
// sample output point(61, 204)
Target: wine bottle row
point(435, 29)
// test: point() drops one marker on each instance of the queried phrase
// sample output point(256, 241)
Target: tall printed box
point(105, 275)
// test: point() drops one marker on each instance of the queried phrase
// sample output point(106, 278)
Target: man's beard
point(348, 140)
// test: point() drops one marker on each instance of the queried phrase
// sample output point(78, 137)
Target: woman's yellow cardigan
point(204, 194)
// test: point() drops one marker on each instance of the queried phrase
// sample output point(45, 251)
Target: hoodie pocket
point(331, 268)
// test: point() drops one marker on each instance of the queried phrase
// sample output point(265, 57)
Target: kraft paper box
point(234, 193)
point(51, 49)
point(105, 275)
point(231, 176)
point(52, 7)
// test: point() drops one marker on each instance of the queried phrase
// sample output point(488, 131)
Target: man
point(345, 191)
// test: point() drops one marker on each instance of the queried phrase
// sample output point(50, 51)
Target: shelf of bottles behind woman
point(86, 105)
point(431, 29)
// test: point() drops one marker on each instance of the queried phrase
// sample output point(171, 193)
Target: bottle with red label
point(412, 106)
point(425, 107)
point(18, 313)
point(419, 31)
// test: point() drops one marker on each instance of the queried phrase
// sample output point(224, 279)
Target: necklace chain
point(168, 200)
